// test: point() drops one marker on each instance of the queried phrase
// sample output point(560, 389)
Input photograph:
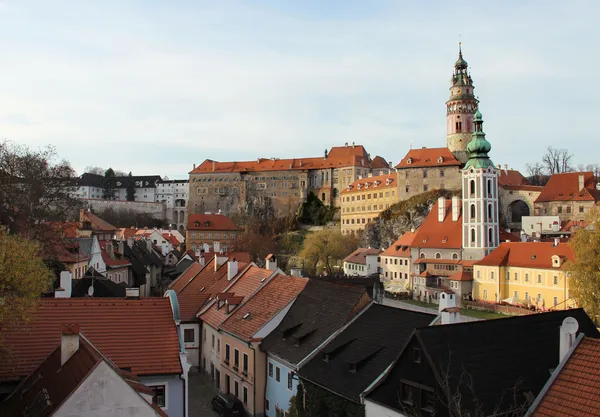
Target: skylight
point(246, 316)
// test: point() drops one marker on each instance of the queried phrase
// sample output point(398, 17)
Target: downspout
point(254, 373)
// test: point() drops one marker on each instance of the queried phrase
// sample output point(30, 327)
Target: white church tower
point(479, 197)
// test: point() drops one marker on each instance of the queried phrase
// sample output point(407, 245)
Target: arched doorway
point(516, 210)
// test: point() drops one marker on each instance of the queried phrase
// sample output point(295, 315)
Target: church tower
point(460, 109)
point(479, 197)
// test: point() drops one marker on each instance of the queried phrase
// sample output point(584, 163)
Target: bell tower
point(460, 109)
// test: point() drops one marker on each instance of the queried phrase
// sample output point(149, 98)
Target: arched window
point(472, 237)
point(490, 213)
point(438, 255)
point(489, 188)
point(455, 256)
point(491, 237)
point(472, 187)
point(472, 211)
point(422, 256)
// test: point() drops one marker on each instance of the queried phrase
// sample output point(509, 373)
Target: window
point(270, 369)
point(516, 294)
point(188, 335)
point(489, 188)
point(473, 211)
point(441, 172)
point(472, 237)
point(427, 401)
point(526, 277)
point(555, 301)
point(417, 355)
point(245, 364)
point(245, 395)
point(425, 187)
point(213, 341)
point(555, 280)
point(277, 374)
point(472, 187)
point(219, 345)
point(438, 255)
point(485, 294)
point(407, 394)
point(267, 404)
point(507, 276)
point(236, 358)
point(539, 279)
point(581, 209)
point(559, 209)
point(236, 389)
point(159, 395)
point(425, 174)
point(568, 209)
point(290, 380)
point(516, 276)
point(227, 353)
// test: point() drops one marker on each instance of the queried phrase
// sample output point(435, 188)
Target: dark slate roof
point(91, 180)
point(495, 355)
point(363, 351)
point(178, 269)
point(320, 310)
point(369, 283)
point(103, 287)
point(139, 181)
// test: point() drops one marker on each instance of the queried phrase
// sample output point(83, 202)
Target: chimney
point(232, 269)
point(450, 315)
point(194, 166)
point(568, 333)
point(201, 260)
point(121, 247)
point(213, 165)
point(206, 247)
point(325, 154)
point(506, 169)
point(455, 208)
point(296, 272)
point(64, 291)
point(271, 262)
point(581, 182)
point(556, 241)
point(130, 242)
point(110, 251)
point(133, 293)
point(219, 260)
point(217, 246)
point(69, 342)
point(447, 300)
point(353, 144)
point(441, 209)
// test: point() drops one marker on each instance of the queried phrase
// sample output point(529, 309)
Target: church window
point(472, 188)
point(489, 212)
point(489, 188)
point(491, 237)
point(472, 237)
point(472, 211)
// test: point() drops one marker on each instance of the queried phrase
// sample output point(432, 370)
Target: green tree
point(313, 211)
point(130, 188)
point(109, 192)
point(325, 249)
point(23, 278)
point(584, 271)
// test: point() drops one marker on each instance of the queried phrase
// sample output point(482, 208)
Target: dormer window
point(556, 261)
point(207, 224)
point(440, 160)
point(409, 161)
point(196, 224)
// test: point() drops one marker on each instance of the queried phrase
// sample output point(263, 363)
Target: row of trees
point(556, 161)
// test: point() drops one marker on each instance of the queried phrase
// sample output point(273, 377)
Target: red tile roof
point(378, 182)
point(576, 390)
point(118, 261)
point(359, 256)
point(444, 235)
point(532, 188)
point(565, 187)
point(505, 236)
point(379, 162)
point(428, 157)
point(527, 254)
point(210, 222)
point(136, 334)
point(511, 177)
point(244, 285)
point(263, 306)
point(401, 247)
point(461, 276)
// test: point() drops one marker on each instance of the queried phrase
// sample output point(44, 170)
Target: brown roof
point(565, 187)
point(444, 235)
point(263, 306)
point(359, 256)
point(576, 390)
point(401, 247)
point(533, 188)
point(375, 183)
point(428, 157)
point(461, 276)
point(118, 261)
point(527, 254)
point(379, 162)
point(98, 225)
point(508, 236)
point(511, 177)
point(210, 222)
point(136, 334)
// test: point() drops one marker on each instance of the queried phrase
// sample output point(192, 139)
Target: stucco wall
point(192, 348)
point(375, 410)
point(278, 393)
point(175, 391)
point(396, 270)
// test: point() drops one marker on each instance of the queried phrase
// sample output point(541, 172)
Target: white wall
point(375, 410)
point(192, 348)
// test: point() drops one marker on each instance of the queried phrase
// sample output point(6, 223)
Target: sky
point(153, 87)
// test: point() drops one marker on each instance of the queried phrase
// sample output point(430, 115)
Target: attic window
point(417, 355)
point(409, 161)
point(246, 316)
point(197, 224)
point(440, 160)
point(206, 223)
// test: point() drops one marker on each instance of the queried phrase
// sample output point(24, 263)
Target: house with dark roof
point(317, 315)
point(147, 265)
point(362, 262)
point(102, 287)
point(490, 367)
point(348, 364)
point(66, 383)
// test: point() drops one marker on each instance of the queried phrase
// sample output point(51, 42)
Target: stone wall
point(509, 198)
point(423, 179)
point(155, 209)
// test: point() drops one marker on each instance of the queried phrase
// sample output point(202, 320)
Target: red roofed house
point(66, 384)
point(396, 264)
point(137, 335)
point(243, 364)
point(92, 225)
point(362, 262)
point(570, 196)
point(517, 196)
point(210, 231)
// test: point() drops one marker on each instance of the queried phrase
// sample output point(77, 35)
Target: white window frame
point(157, 384)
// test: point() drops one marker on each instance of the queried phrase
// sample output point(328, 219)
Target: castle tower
point(479, 197)
point(460, 109)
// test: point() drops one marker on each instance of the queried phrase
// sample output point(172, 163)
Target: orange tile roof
point(136, 334)
point(187, 275)
point(504, 236)
point(428, 157)
point(511, 177)
point(127, 232)
point(359, 256)
point(527, 254)
point(263, 306)
point(565, 187)
point(401, 247)
point(576, 390)
point(379, 162)
point(533, 188)
point(435, 234)
point(210, 222)
point(118, 262)
point(244, 285)
point(461, 276)
point(375, 183)
point(99, 225)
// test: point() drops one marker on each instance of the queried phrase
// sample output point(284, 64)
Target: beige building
point(210, 232)
point(364, 199)
point(396, 263)
point(427, 169)
point(278, 184)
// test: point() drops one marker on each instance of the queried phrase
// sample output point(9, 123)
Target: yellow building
point(364, 199)
point(527, 273)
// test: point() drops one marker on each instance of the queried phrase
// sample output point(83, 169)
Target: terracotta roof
point(118, 261)
point(576, 390)
point(461, 276)
point(171, 239)
point(565, 187)
point(401, 247)
point(127, 232)
point(136, 334)
point(263, 306)
point(98, 225)
point(533, 188)
point(508, 236)
point(511, 177)
point(527, 254)
point(444, 235)
point(372, 183)
point(244, 285)
point(359, 256)
point(210, 222)
point(379, 162)
point(428, 157)
point(438, 261)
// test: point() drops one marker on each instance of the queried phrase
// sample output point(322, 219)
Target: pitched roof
point(263, 306)
point(428, 157)
point(117, 261)
point(379, 162)
point(103, 287)
point(375, 183)
point(511, 177)
point(136, 334)
point(401, 247)
point(494, 355)
point(98, 225)
point(368, 346)
point(320, 310)
point(435, 234)
point(90, 180)
point(461, 276)
point(210, 222)
point(359, 256)
point(139, 181)
point(527, 254)
point(575, 391)
point(565, 187)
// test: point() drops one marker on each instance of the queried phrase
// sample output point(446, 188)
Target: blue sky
point(156, 86)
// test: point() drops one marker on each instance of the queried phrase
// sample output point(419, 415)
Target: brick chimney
point(581, 182)
point(69, 342)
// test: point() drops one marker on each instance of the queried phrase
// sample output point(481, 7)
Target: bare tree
point(536, 174)
point(94, 170)
point(557, 161)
